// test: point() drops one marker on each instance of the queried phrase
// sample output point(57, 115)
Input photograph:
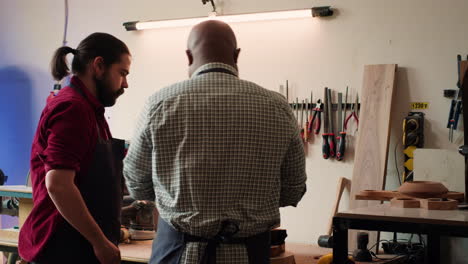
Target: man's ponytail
point(59, 66)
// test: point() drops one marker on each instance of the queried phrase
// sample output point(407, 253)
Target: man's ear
point(189, 57)
point(98, 66)
point(236, 55)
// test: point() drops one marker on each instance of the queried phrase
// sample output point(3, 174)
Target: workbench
point(137, 251)
point(140, 251)
point(433, 223)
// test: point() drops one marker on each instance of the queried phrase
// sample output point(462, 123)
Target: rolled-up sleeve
point(293, 175)
point(138, 162)
point(69, 135)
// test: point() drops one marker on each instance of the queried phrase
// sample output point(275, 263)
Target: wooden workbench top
point(20, 191)
point(140, 251)
point(385, 212)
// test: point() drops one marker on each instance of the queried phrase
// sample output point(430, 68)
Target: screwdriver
point(325, 145)
point(342, 137)
point(331, 133)
point(302, 121)
point(297, 110)
point(306, 125)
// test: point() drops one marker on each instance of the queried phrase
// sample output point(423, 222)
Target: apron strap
point(258, 246)
point(222, 70)
point(169, 244)
point(225, 236)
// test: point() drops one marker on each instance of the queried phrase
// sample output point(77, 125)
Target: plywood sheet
point(370, 162)
point(441, 165)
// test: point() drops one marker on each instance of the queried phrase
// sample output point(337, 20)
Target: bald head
point(211, 41)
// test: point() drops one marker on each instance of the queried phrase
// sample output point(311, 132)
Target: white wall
point(422, 36)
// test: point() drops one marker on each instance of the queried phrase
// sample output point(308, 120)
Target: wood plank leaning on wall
point(370, 162)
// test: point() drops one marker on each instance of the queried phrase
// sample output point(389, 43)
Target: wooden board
point(136, 251)
point(435, 204)
point(343, 184)
point(389, 195)
point(370, 162)
point(441, 165)
point(9, 235)
point(25, 208)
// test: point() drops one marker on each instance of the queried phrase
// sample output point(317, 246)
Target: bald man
point(219, 155)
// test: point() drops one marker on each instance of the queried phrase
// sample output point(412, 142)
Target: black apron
point(169, 244)
point(101, 188)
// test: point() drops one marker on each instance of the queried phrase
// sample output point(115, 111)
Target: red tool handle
point(318, 123)
point(325, 147)
point(341, 146)
point(332, 144)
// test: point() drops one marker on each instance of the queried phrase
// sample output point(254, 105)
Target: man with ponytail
point(76, 165)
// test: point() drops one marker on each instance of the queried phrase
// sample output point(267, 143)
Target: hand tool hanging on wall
point(339, 112)
point(316, 119)
point(305, 128)
point(331, 132)
point(301, 127)
point(296, 107)
point(354, 114)
point(311, 108)
point(454, 115)
point(341, 138)
point(459, 59)
point(455, 105)
point(325, 145)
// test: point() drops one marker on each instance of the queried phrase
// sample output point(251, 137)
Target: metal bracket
point(212, 4)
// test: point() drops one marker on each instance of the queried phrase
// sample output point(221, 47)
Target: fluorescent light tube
point(302, 13)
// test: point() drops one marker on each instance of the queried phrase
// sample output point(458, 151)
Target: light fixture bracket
point(212, 4)
point(322, 11)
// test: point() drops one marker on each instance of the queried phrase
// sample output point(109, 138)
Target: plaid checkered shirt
point(212, 148)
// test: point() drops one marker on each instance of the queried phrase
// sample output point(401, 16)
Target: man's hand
point(107, 253)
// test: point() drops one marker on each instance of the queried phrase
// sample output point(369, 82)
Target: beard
point(105, 94)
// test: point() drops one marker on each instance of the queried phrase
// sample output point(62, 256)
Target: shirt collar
point(97, 106)
point(213, 65)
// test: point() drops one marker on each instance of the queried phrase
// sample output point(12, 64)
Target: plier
point(316, 118)
point(353, 114)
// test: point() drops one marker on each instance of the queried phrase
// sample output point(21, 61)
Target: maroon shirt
point(65, 139)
